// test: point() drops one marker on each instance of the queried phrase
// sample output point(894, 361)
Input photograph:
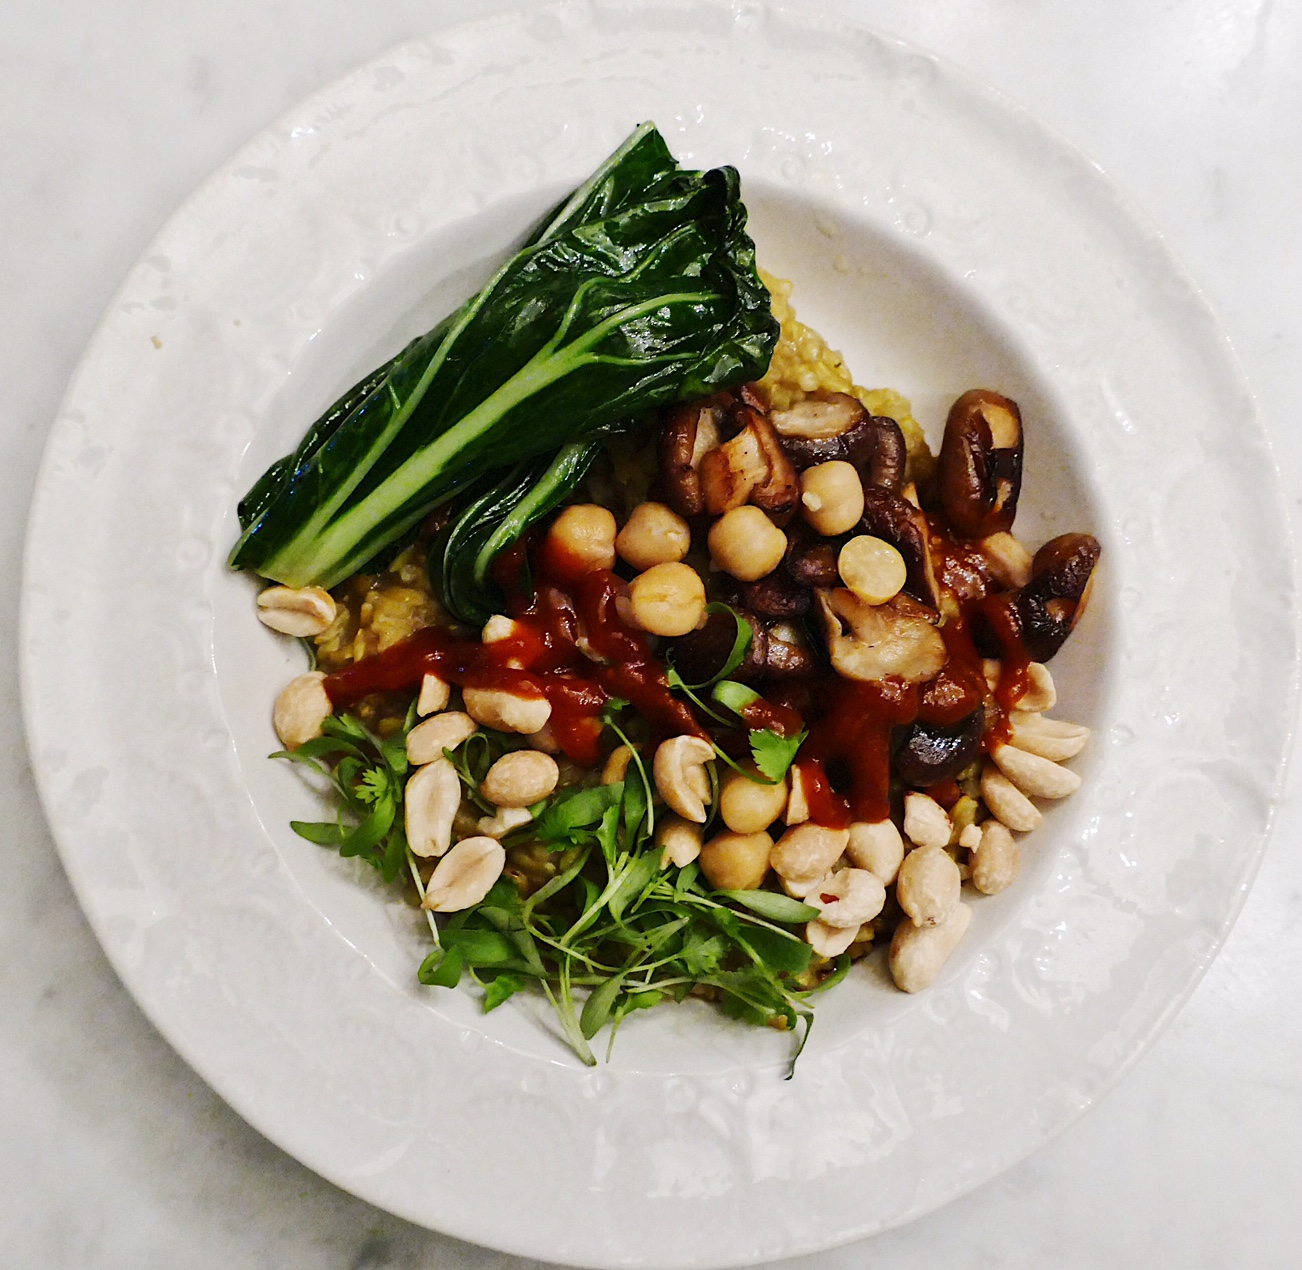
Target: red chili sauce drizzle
point(961, 567)
point(571, 646)
point(854, 721)
point(854, 734)
point(571, 608)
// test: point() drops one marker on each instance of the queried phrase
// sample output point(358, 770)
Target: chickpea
point(746, 543)
point(585, 532)
point(736, 861)
point(748, 807)
point(668, 599)
point(520, 779)
point(655, 534)
point(832, 497)
point(873, 569)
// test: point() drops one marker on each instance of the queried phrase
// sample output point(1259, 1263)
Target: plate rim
point(1131, 211)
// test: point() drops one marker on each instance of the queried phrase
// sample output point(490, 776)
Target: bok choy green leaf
point(640, 290)
point(462, 558)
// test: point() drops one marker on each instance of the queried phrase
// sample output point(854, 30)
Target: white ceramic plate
point(943, 240)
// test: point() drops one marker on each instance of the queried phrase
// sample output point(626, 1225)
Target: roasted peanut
point(1006, 802)
point(668, 599)
point(1049, 738)
point(544, 740)
point(926, 822)
point(465, 875)
point(829, 941)
point(806, 853)
point(748, 807)
point(798, 801)
point(301, 709)
point(848, 897)
point(584, 532)
point(298, 611)
point(1009, 561)
point(506, 820)
point(430, 804)
point(996, 860)
point(616, 768)
point(1035, 776)
point(654, 534)
point(681, 775)
point(520, 779)
point(928, 886)
point(427, 741)
point(498, 628)
point(831, 497)
point(877, 847)
point(1040, 693)
point(507, 711)
point(746, 543)
point(919, 952)
point(435, 694)
point(736, 861)
point(679, 841)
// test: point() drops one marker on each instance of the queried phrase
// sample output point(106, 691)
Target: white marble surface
point(112, 1153)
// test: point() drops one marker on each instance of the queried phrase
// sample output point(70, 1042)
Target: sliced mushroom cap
point(835, 425)
point(895, 520)
point(785, 658)
point(681, 434)
point(821, 417)
point(750, 467)
point(779, 492)
point(1050, 605)
point(979, 472)
point(811, 559)
point(776, 596)
point(871, 641)
point(931, 754)
point(877, 449)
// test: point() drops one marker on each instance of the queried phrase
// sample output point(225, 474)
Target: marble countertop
point(113, 1153)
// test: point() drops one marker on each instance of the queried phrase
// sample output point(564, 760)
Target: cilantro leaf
point(774, 754)
point(373, 785)
point(613, 707)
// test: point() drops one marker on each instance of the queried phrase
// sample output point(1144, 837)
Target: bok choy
point(640, 290)
point(462, 558)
